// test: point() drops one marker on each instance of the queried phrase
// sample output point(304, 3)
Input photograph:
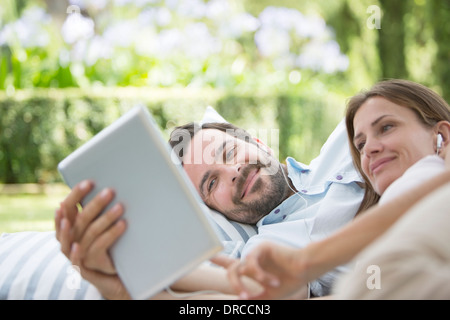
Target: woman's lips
point(379, 164)
point(252, 176)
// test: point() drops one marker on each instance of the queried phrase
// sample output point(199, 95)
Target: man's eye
point(230, 154)
point(211, 184)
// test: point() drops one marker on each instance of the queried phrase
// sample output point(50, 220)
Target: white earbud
point(439, 143)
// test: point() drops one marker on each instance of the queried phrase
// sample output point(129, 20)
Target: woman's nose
point(372, 146)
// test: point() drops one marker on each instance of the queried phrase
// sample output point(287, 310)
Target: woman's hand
point(278, 269)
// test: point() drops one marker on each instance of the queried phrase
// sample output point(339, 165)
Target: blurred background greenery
point(69, 68)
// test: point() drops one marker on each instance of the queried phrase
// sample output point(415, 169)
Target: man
point(292, 204)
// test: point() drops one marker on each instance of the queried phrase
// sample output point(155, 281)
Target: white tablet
point(168, 233)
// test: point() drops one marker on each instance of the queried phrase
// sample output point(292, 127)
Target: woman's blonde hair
point(429, 107)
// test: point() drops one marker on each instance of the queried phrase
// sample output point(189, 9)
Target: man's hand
point(109, 285)
point(278, 269)
point(92, 232)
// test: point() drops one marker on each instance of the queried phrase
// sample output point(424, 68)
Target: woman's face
point(390, 139)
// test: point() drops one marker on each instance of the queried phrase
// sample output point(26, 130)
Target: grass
point(29, 209)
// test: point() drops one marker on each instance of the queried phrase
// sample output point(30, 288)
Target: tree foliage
point(288, 65)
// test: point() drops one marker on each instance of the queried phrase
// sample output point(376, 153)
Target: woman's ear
point(442, 137)
point(263, 146)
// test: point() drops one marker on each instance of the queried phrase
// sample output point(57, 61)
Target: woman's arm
point(283, 270)
point(350, 240)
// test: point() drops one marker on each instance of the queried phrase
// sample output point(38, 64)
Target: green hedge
point(40, 127)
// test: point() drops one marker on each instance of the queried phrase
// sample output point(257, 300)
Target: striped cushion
point(233, 234)
point(33, 267)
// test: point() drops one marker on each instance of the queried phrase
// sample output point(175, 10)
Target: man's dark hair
point(181, 136)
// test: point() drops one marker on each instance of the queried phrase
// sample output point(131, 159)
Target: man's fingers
point(107, 239)
point(223, 260)
point(233, 266)
point(65, 238)
point(58, 218)
point(69, 207)
point(91, 211)
point(101, 224)
point(75, 256)
point(99, 249)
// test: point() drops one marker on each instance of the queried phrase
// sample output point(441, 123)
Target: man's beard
point(272, 192)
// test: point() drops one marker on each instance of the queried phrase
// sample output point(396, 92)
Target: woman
point(396, 129)
point(411, 260)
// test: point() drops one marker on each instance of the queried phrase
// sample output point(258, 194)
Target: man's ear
point(263, 146)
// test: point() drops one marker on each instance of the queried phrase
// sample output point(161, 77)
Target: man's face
point(234, 177)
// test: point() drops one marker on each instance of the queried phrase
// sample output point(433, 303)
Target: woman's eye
point(360, 146)
point(386, 127)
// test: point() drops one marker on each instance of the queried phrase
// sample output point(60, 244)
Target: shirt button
point(277, 211)
point(339, 177)
point(305, 191)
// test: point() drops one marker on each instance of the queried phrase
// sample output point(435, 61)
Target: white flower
point(28, 31)
point(218, 10)
point(155, 16)
point(280, 17)
point(92, 4)
point(78, 51)
point(121, 33)
point(198, 42)
point(169, 41)
point(272, 42)
point(239, 24)
point(137, 3)
point(98, 48)
point(325, 57)
point(311, 27)
point(163, 16)
point(77, 27)
point(191, 8)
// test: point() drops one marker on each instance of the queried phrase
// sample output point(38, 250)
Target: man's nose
point(232, 172)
